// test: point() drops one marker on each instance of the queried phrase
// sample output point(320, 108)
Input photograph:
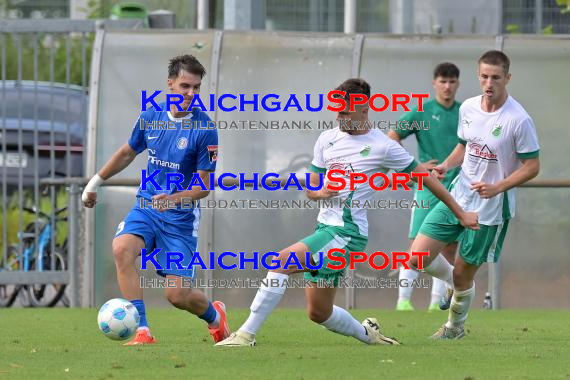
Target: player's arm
point(527, 171)
point(119, 161)
point(323, 192)
point(454, 160)
point(396, 158)
point(395, 136)
point(527, 148)
point(195, 193)
point(467, 219)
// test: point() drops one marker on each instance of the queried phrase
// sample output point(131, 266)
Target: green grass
point(63, 343)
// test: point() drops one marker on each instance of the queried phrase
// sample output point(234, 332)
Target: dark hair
point(446, 70)
point(496, 58)
point(187, 63)
point(354, 86)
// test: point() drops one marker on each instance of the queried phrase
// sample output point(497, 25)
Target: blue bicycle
point(38, 259)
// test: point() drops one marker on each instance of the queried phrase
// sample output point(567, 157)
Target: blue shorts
point(158, 233)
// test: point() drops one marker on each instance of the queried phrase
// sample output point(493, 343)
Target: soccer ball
point(118, 319)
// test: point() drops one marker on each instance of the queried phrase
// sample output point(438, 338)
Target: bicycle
point(37, 295)
point(8, 292)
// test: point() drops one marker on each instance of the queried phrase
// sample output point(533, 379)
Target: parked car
point(55, 111)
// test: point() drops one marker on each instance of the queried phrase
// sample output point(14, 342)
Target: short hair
point(496, 58)
point(354, 86)
point(446, 70)
point(187, 63)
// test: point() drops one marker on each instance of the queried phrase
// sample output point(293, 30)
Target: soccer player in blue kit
point(185, 150)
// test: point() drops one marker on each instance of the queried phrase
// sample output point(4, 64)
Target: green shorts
point(328, 237)
point(476, 247)
point(419, 214)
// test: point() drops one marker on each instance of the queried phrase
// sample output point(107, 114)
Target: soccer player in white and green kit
point(497, 151)
point(434, 145)
point(352, 147)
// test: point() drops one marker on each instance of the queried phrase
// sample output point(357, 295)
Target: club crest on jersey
point(365, 151)
point(213, 153)
point(182, 143)
point(496, 130)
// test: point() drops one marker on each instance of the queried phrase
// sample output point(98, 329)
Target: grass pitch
point(63, 343)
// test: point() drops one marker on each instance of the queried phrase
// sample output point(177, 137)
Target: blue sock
point(210, 315)
point(139, 304)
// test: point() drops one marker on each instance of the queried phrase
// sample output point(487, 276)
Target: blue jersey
point(185, 146)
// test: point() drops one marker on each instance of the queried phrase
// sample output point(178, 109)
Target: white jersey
point(369, 153)
point(495, 144)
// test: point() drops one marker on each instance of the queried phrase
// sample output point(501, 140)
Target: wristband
point(92, 186)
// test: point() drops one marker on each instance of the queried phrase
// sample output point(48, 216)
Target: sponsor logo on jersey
point(482, 151)
point(165, 164)
point(342, 166)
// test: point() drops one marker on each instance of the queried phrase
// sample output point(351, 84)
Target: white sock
point(441, 268)
point(341, 322)
point(266, 299)
point(437, 290)
point(460, 304)
point(405, 292)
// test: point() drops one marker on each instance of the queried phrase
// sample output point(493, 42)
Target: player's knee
point(318, 315)
point(123, 254)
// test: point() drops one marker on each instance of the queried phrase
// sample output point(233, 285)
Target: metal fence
point(43, 120)
point(537, 16)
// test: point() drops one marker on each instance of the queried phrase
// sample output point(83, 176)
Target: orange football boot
point(223, 330)
point(142, 337)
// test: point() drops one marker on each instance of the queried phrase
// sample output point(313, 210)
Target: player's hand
point(89, 199)
point(470, 220)
point(167, 204)
point(430, 165)
point(485, 190)
point(440, 171)
point(326, 193)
